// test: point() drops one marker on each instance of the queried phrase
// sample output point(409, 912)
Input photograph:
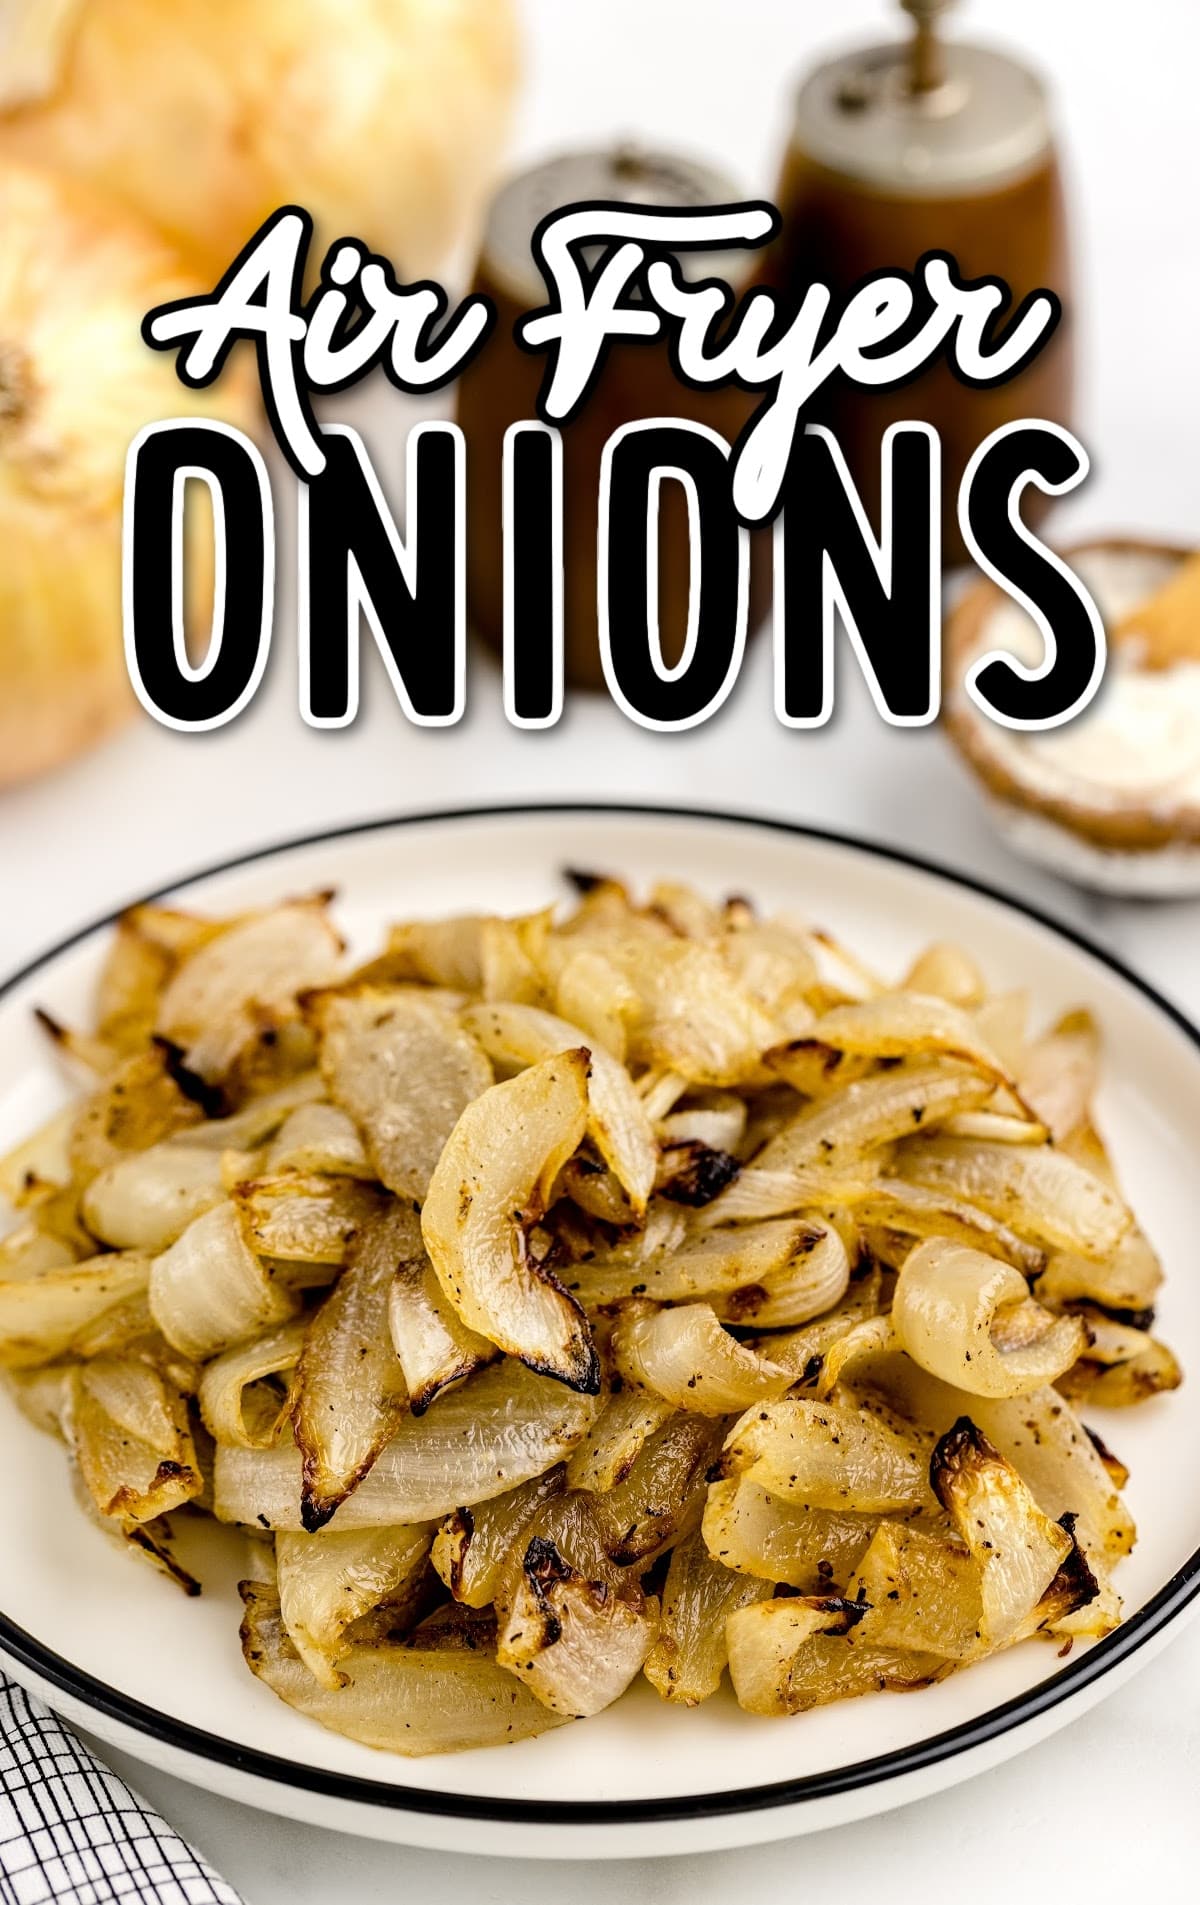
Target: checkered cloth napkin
point(72, 1833)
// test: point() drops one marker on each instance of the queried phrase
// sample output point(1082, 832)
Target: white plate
point(119, 1650)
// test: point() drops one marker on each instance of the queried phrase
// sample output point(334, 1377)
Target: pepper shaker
point(927, 145)
point(500, 387)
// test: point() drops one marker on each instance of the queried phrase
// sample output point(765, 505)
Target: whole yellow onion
point(77, 274)
point(382, 117)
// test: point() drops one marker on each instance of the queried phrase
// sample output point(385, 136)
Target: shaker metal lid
point(986, 121)
point(622, 172)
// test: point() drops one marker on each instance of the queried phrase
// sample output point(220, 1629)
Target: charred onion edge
point(212, 1099)
point(1117, 1469)
point(703, 1174)
point(962, 1444)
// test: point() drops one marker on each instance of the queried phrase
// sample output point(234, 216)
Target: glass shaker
point(636, 381)
point(930, 145)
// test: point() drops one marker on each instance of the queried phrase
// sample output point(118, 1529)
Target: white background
point(1111, 1804)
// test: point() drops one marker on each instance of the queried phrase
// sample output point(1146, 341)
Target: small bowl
point(1111, 800)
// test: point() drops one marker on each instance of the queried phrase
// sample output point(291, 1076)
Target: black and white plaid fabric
point(72, 1833)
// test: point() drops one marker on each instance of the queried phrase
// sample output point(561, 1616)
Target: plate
point(118, 1650)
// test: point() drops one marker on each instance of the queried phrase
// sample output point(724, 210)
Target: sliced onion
point(893, 1204)
point(693, 1173)
point(662, 1497)
point(908, 1025)
point(499, 1429)
point(591, 993)
point(813, 1069)
point(42, 1314)
point(439, 952)
point(209, 1290)
point(129, 988)
point(350, 1395)
point(659, 1089)
point(1037, 1190)
point(756, 1533)
point(612, 1445)
point(758, 1195)
point(1129, 1279)
point(1059, 1073)
point(129, 1431)
point(413, 1697)
point(519, 1035)
point(1005, 1127)
point(948, 1315)
point(321, 1138)
point(811, 1282)
point(43, 1396)
point(947, 972)
point(176, 933)
point(147, 1200)
point(764, 1640)
point(1039, 1434)
point(574, 1643)
point(829, 1455)
point(28, 1250)
point(473, 1547)
point(833, 1132)
point(506, 970)
point(1121, 1366)
point(127, 1330)
point(922, 1591)
point(228, 1379)
point(325, 1585)
point(246, 1129)
point(309, 1219)
point(802, 1352)
point(777, 966)
point(686, 912)
point(217, 1000)
point(1003, 1022)
point(688, 1659)
point(788, 1656)
point(405, 1070)
point(491, 1184)
point(875, 1336)
point(1017, 1549)
point(696, 1018)
point(435, 1348)
point(711, 1127)
point(139, 1104)
point(41, 1158)
point(686, 1357)
point(797, 1261)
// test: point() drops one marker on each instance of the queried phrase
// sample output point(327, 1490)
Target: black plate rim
point(1078, 1674)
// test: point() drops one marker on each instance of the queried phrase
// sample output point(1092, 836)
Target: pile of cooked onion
point(650, 1288)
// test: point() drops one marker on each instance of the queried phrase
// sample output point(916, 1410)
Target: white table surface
point(1111, 1801)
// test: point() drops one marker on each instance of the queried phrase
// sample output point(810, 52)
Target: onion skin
point(381, 117)
point(76, 384)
